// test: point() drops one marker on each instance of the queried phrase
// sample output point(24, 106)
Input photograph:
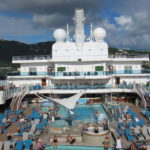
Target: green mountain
point(14, 48)
point(9, 49)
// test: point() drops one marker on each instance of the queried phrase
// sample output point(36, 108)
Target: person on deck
point(106, 143)
point(118, 144)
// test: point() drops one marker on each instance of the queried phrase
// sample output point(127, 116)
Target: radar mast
point(79, 28)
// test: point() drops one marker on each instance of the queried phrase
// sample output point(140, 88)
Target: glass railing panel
point(130, 56)
point(32, 73)
point(24, 73)
point(40, 57)
point(128, 71)
point(41, 73)
point(145, 71)
point(82, 74)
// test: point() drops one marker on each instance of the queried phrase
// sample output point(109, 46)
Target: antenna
point(79, 30)
point(91, 32)
point(68, 35)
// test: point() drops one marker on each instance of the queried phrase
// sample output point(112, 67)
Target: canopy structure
point(69, 102)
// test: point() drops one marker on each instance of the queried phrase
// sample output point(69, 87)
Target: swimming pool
point(82, 113)
point(86, 113)
point(83, 100)
point(76, 147)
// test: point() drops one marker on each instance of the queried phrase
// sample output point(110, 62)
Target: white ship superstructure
point(78, 63)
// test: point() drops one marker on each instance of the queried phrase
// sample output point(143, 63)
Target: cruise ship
point(80, 97)
point(79, 63)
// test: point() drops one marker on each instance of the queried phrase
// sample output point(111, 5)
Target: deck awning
point(69, 102)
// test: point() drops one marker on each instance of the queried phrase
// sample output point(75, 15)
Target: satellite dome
point(59, 34)
point(99, 34)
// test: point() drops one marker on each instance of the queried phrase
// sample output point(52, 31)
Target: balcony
point(78, 87)
point(82, 74)
point(138, 55)
point(31, 59)
point(36, 57)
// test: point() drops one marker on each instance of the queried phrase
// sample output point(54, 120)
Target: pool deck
point(81, 139)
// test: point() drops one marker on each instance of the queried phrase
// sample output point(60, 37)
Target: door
point(43, 82)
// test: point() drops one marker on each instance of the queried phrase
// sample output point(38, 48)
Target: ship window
point(32, 71)
point(128, 69)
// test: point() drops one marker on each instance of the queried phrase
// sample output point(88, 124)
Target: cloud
point(123, 20)
point(12, 26)
point(48, 6)
point(50, 21)
point(126, 22)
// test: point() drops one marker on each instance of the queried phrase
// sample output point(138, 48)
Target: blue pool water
point(70, 147)
point(82, 113)
point(83, 100)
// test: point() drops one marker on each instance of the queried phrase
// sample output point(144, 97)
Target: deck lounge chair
point(4, 119)
point(148, 129)
point(123, 117)
point(147, 114)
point(145, 133)
point(136, 123)
point(119, 131)
point(45, 116)
point(37, 121)
point(19, 145)
point(130, 125)
point(1, 145)
point(25, 136)
point(6, 145)
point(133, 114)
point(142, 122)
point(32, 130)
point(120, 125)
point(138, 134)
point(128, 135)
point(28, 144)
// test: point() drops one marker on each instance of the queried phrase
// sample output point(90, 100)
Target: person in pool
point(55, 142)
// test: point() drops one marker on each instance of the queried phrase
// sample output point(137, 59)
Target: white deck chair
point(37, 121)
point(25, 136)
point(123, 117)
point(145, 133)
point(1, 145)
point(6, 145)
point(148, 129)
point(140, 138)
point(45, 116)
point(32, 130)
point(4, 120)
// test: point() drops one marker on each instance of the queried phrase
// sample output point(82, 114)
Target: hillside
point(14, 48)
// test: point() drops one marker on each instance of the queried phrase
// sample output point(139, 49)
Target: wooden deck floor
point(46, 135)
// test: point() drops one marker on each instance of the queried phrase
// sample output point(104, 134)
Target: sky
point(127, 22)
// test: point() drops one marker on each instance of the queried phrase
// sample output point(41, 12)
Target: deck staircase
point(140, 92)
point(17, 98)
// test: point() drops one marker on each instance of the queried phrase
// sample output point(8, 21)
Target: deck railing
point(10, 92)
point(81, 74)
point(36, 57)
point(138, 55)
